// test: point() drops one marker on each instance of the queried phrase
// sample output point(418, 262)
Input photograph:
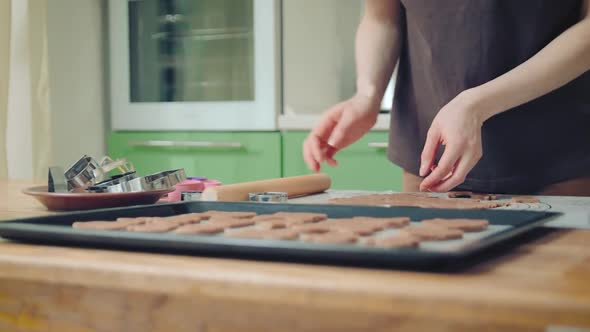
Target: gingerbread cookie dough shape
point(395, 222)
point(352, 226)
point(305, 216)
point(99, 225)
point(266, 217)
point(332, 237)
point(230, 222)
point(290, 218)
point(178, 220)
point(525, 199)
point(271, 224)
point(208, 228)
point(228, 214)
point(119, 224)
point(315, 228)
point(400, 240)
point(465, 225)
point(429, 232)
point(252, 233)
point(154, 227)
point(184, 219)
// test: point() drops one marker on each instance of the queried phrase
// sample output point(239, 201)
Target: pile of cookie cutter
point(88, 175)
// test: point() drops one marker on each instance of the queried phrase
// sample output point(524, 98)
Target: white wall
point(318, 53)
point(77, 49)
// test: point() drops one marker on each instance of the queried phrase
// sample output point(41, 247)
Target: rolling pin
point(294, 186)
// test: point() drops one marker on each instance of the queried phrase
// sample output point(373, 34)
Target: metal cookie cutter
point(86, 171)
point(56, 181)
point(175, 176)
point(116, 184)
point(82, 174)
point(191, 195)
point(161, 180)
point(268, 197)
point(107, 164)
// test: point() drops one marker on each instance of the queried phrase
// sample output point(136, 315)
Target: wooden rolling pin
point(294, 186)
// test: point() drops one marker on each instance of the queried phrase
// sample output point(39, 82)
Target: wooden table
point(541, 285)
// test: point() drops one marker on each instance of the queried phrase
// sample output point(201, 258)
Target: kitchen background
point(249, 80)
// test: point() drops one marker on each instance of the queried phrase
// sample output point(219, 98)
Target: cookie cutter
point(156, 181)
point(174, 176)
point(268, 197)
point(115, 184)
point(107, 164)
point(130, 182)
point(191, 195)
point(56, 181)
point(86, 171)
point(81, 174)
point(186, 185)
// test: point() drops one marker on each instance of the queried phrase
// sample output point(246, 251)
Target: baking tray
point(448, 255)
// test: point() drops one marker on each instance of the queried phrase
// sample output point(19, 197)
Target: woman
point(491, 96)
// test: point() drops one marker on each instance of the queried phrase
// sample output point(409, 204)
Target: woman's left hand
point(457, 126)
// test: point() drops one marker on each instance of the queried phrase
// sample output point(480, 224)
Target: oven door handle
point(378, 145)
point(188, 144)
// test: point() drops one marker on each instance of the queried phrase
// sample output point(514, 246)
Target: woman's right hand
point(340, 126)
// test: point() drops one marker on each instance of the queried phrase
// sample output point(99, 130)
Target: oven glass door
point(191, 51)
point(194, 64)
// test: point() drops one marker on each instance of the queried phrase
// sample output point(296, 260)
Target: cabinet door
point(226, 156)
point(363, 165)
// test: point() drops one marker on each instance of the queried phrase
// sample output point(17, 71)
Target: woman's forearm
point(377, 47)
point(561, 61)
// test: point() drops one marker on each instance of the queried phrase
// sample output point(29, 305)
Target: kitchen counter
point(542, 285)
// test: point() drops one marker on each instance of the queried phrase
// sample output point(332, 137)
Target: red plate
point(89, 201)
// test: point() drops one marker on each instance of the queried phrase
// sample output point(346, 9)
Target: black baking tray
point(57, 230)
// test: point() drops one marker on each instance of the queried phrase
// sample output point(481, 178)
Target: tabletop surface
point(544, 281)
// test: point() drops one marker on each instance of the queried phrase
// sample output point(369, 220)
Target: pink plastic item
point(186, 185)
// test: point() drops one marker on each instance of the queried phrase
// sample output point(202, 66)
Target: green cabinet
point(226, 156)
point(246, 156)
point(363, 165)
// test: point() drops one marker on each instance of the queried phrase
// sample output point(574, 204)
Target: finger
point(330, 151)
point(429, 151)
point(463, 167)
point(315, 146)
point(308, 157)
point(444, 167)
point(328, 122)
point(320, 134)
point(433, 167)
point(332, 162)
point(338, 139)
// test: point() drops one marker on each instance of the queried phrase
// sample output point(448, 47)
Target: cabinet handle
point(378, 145)
point(188, 144)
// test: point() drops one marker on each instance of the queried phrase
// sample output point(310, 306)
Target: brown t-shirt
point(453, 45)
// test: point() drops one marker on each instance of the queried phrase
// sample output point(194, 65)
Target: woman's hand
point(458, 124)
point(340, 126)
point(458, 127)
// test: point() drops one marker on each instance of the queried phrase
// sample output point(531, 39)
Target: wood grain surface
point(543, 283)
